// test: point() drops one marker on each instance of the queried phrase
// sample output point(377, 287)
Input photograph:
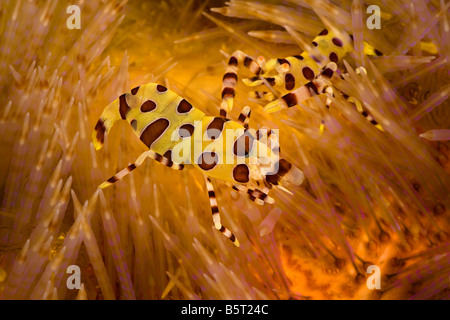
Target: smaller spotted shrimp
point(296, 78)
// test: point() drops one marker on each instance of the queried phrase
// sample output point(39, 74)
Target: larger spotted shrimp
point(177, 134)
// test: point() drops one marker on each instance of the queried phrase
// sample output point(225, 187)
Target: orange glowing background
point(371, 197)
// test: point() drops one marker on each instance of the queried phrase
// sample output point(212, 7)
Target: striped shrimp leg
point(244, 117)
point(165, 160)
point(364, 112)
point(260, 197)
point(215, 214)
point(358, 104)
point(229, 81)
